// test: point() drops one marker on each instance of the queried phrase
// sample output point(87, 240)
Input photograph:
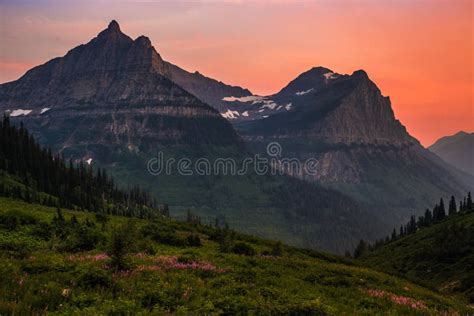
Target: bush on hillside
point(245, 249)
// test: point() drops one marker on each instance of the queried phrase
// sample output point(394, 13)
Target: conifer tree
point(394, 234)
point(72, 186)
point(436, 213)
point(360, 249)
point(428, 217)
point(469, 202)
point(420, 222)
point(441, 210)
point(120, 244)
point(452, 206)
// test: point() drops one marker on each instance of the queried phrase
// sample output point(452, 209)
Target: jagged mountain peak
point(108, 67)
point(113, 34)
point(312, 79)
point(319, 70)
point(315, 73)
point(112, 31)
point(114, 26)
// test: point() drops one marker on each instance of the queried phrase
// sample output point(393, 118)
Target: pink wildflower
point(97, 257)
point(397, 299)
point(147, 268)
point(171, 262)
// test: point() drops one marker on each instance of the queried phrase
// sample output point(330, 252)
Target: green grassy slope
point(440, 256)
point(62, 267)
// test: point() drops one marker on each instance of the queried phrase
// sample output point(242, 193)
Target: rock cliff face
point(363, 116)
point(335, 109)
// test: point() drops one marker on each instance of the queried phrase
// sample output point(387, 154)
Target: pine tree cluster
point(429, 218)
point(47, 179)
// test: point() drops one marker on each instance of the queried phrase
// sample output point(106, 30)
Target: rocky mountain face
point(111, 103)
point(333, 108)
point(457, 150)
point(98, 70)
point(348, 126)
point(122, 83)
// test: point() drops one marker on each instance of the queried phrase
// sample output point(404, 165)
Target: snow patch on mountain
point(246, 113)
point(20, 112)
point(330, 75)
point(288, 106)
point(44, 110)
point(299, 93)
point(230, 114)
point(269, 104)
point(249, 98)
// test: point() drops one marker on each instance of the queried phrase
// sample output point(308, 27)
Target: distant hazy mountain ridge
point(457, 150)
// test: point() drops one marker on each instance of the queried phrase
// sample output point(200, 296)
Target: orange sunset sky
point(420, 53)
